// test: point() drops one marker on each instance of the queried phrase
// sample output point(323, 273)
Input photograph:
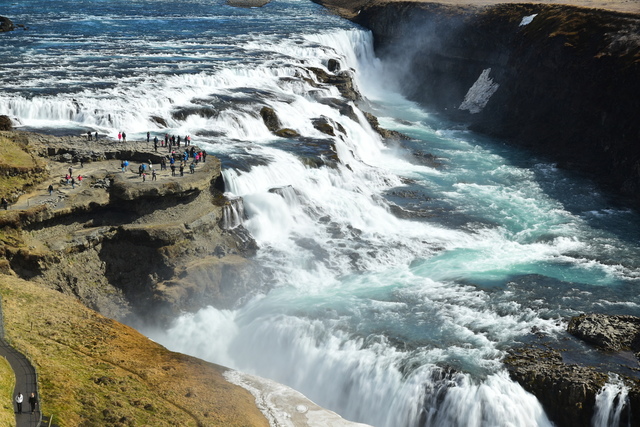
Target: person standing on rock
point(50, 189)
point(148, 136)
point(89, 136)
point(33, 402)
point(119, 136)
point(73, 182)
point(4, 203)
point(154, 176)
point(96, 136)
point(181, 168)
point(124, 137)
point(19, 399)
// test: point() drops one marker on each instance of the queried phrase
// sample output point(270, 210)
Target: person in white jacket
point(19, 399)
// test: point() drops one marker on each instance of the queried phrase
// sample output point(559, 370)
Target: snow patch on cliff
point(478, 95)
point(527, 19)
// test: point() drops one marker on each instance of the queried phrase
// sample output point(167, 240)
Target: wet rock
point(270, 118)
point(567, 390)
point(385, 133)
point(160, 121)
point(287, 133)
point(322, 124)
point(6, 25)
point(609, 333)
point(333, 65)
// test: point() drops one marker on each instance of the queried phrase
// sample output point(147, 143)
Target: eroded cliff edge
point(129, 248)
point(560, 80)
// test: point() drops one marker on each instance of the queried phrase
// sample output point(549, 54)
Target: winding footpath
point(26, 380)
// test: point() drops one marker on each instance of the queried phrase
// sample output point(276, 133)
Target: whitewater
point(393, 275)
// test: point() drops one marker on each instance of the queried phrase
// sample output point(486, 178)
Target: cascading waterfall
point(611, 401)
point(398, 273)
point(232, 214)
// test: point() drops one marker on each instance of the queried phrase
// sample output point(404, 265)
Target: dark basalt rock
point(6, 24)
point(160, 121)
point(385, 133)
point(287, 133)
point(5, 123)
point(609, 333)
point(322, 124)
point(270, 118)
point(567, 390)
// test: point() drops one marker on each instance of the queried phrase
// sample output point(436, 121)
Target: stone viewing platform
point(142, 247)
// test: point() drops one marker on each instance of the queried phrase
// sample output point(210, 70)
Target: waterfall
point(611, 401)
point(232, 213)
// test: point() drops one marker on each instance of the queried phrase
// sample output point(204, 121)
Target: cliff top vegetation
point(94, 371)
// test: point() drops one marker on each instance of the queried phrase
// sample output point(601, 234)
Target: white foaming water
point(611, 401)
point(369, 310)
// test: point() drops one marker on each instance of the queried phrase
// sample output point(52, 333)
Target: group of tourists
point(170, 142)
point(175, 161)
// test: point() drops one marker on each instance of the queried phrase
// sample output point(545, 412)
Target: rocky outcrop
point(134, 250)
point(6, 24)
point(609, 333)
point(567, 388)
point(559, 80)
point(5, 123)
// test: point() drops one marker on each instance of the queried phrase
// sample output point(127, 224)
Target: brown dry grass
point(94, 371)
point(18, 168)
point(7, 384)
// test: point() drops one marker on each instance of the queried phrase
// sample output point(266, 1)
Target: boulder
point(287, 133)
point(6, 24)
point(5, 123)
point(609, 333)
point(270, 118)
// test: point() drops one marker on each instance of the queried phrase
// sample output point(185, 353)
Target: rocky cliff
point(127, 247)
point(567, 381)
point(559, 80)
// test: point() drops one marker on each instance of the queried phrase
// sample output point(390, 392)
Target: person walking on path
point(50, 189)
point(33, 402)
point(19, 399)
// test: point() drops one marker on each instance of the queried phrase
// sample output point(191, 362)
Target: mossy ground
point(94, 371)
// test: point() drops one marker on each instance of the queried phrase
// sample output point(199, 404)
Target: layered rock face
point(129, 248)
point(560, 80)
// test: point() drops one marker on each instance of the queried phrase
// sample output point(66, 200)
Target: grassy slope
point(18, 169)
point(7, 384)
point(94, 371)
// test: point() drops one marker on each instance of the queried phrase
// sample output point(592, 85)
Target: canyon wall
point(562, 81)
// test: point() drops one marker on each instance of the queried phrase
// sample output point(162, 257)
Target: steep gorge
point(562, 81)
